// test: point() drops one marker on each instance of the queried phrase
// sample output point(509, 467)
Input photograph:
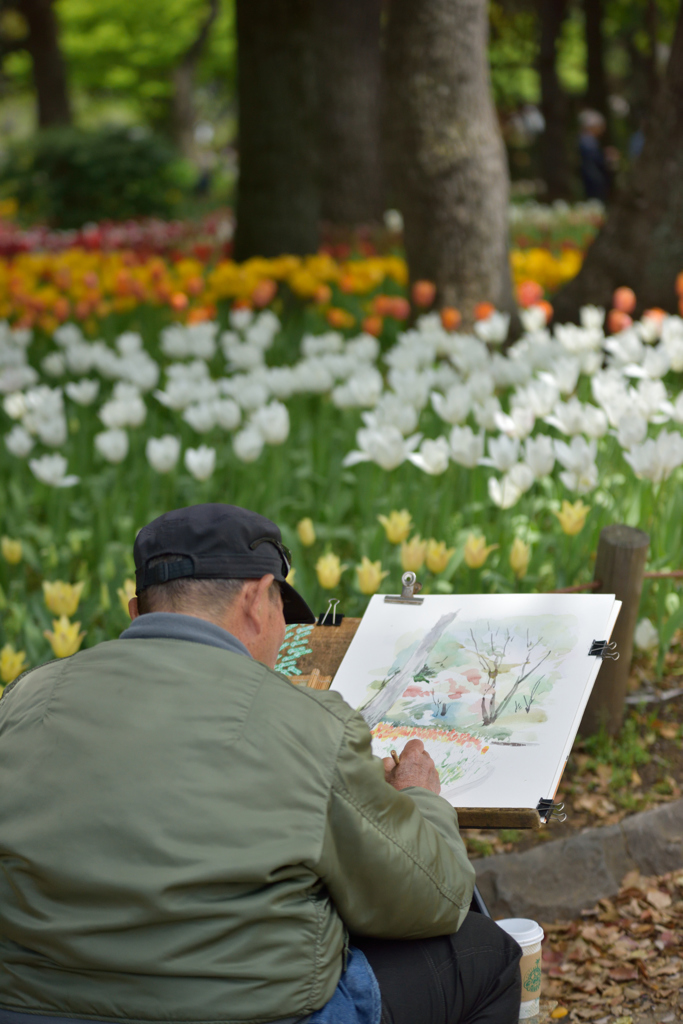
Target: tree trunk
point(555, 166)
point(376, 709)
point(347, 46)
point(641, 245)
point(49, 70)
point(596, 93)
point(277, 198)
point(447, 158)
point(182, 104)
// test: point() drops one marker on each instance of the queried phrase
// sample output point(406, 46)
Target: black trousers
point(471, 977)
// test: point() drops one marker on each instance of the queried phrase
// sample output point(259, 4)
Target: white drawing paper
point(494, 685)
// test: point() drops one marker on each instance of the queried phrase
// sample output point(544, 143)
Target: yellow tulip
point(413, 553)
point(125, 593)
point(65, 640)
point(12, 550)
point(12, 663)
point(520, 555)
point(396, 525)
point(370, 575)
point(572, 517)
point(329, 570)
point(438, 555)
point(306, 532)
point(62, 598)
point(289, 578)
point(476, 552)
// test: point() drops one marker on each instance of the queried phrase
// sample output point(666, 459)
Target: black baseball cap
point(217, 542)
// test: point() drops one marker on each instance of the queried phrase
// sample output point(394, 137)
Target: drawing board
point(494, 685)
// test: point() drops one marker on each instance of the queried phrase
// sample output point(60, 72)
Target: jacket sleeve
point(393, 861)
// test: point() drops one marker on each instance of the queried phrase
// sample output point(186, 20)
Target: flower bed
point(425, 449)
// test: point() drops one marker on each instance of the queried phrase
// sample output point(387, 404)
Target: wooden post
point(619, 566)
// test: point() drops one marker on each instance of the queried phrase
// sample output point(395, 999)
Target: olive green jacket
point(185, 836)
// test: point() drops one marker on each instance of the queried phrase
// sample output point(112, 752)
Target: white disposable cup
point(529, 935)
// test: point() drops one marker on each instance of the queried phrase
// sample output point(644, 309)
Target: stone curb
point(560, 879)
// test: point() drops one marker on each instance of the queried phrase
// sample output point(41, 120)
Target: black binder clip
point(336, 619)
point(409, 588)
point(548, 810)
point(604, 649)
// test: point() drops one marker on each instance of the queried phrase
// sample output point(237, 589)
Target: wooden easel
point(328, 646)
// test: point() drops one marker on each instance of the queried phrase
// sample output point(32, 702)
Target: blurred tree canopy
point(125, 52)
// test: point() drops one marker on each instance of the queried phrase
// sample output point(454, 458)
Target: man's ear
point(255, 594)
point(133, 609)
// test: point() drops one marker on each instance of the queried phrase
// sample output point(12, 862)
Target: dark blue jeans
point(471, 977)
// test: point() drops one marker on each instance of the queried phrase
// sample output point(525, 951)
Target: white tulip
point(53, 365)
point(522, 476)
point(200, 462)
point(272, 422)
point(454, 406)
point(19, 442)
point(53, 432)
point(240, 318)
point(494, 329)
point(390, 411)
point(227, 413)
point(15, 405)
point(384, 445)
point(504, 493)
point(67, 334)
point(645, 636)
point(129, 343)
point(533, 318)
point(163, 452)
point(248, 444)
point(328, 342)
point(112, 445)
point(578, 458)
point(83, 392)
point(467, 448)
point(432, 457)
point(51, 470)
point(503, 453)
point(364, 349)
point(518, 424)
point(592, 317)
point(632, 429)
point(539, 455)
point(485, 413)
point(126, 408)
point(655, 460)
point(651, 401)
point(201, 416)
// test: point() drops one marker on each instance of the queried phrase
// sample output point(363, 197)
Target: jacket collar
point(171, 626)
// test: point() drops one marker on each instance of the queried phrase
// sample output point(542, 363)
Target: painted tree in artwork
point(491, 651)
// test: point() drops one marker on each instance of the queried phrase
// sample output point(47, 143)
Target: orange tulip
point(264, 292)
point(373, 325)
point(322, 294)
point(618, 320)
point(679, 284)
point(423, 293)
point(340, 318)
point(400, 308)
point(547, 309)
point(483, 310)
point(450, 318)
point(179, 301)
point(529, 293)
point(624, 299)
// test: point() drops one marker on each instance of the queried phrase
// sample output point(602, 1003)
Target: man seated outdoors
point(185, 836)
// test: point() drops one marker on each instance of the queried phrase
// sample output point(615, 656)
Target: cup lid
point(522, 929)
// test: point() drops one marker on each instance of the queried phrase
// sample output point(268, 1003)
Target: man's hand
point(416, 768)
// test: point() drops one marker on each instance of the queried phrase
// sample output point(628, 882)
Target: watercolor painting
point(486, 693)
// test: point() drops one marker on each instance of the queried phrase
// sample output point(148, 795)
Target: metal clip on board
point(336, 619)
point(604, 649)
point(548, 809)
point(409, 588)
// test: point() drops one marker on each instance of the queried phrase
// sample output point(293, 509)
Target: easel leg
point(477, 905)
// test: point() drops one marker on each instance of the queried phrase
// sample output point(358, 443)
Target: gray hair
point(214, 596)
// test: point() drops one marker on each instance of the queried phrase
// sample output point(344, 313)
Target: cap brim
point(294, 607)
